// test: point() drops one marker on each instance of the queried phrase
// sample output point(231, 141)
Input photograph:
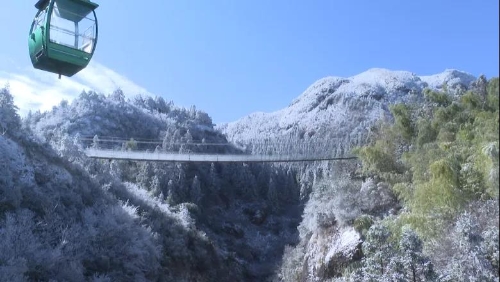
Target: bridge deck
point(194, 157)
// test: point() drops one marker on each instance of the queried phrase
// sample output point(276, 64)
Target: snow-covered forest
point(419, 204)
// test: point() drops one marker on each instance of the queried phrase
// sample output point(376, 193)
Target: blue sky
point(231, 58)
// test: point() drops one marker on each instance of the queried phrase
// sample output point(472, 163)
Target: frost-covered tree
point(188, 137)
point(213, 179)
point(70, 148)
point(245, 182)
point(490, 246)
point(95, 142)
point(166, 142)
point(203, 118)
point(20, 247)
point(145, 174)
point(161, 105)
point(130, 145)
point(378, 251)
point(292, 267)
point(172, 193)
point(118, 96)
point(195, 193)
point(155, 187)
point(384, 260)
point(469, 262)
point(9, 119)
point(410, 264)
point(273, 194)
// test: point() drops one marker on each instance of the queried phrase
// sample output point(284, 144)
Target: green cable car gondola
point(63, 36)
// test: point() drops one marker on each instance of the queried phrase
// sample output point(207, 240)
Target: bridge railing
point(197, 157)
point(267, 148)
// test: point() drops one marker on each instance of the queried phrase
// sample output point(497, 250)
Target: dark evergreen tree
point(213, 179)
point(195, 193)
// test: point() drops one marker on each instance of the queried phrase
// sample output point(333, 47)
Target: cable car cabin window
point(87, 36)
point(73, 25)
point(39, 20)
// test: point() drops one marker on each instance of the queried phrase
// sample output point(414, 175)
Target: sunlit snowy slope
point(344, 108)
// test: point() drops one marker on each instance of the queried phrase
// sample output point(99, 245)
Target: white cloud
point(106, 80)
point(37, 90)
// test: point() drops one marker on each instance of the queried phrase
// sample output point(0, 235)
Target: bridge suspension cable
point(191, 151)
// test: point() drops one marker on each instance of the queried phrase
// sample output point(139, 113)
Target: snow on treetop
point(450, 77)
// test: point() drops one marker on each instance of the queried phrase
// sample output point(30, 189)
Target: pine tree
point(195, 192)
point(469, 261)
point(273, 195)
point(245, 182)
point(9, 119)
point(411, 264)
point(95, 142)
point(165, 145)
point(118, 96)
point(155, 187)
point(378, 252)
point(172, 196)
point(144, 175)
point(214, 182)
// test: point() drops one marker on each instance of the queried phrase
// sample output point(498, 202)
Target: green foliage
point(362, 224)
point(471, 101)
point(404, 191)
point(403, 124)
point(486, 163)
point(441, 99)
point(447, 133)
point(444, 115)
point(451, 156)
point(130, 145)
point(493, 95)
point(376, 159)
point(441, 195)
point(471, 181)
point(419, 159)
point(381, 158)
point(426, 133)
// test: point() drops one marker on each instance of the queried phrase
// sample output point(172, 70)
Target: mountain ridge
point(352, 104)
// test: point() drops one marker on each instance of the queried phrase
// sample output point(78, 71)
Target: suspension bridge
point(113, 148)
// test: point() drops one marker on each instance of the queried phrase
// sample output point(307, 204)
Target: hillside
point(356, 111)
point(236, 206)
point(64, 217)
point(343, 109)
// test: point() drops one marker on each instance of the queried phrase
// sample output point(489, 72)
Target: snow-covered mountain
point(343, 111)
point(195, 222)
point(343, 108)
